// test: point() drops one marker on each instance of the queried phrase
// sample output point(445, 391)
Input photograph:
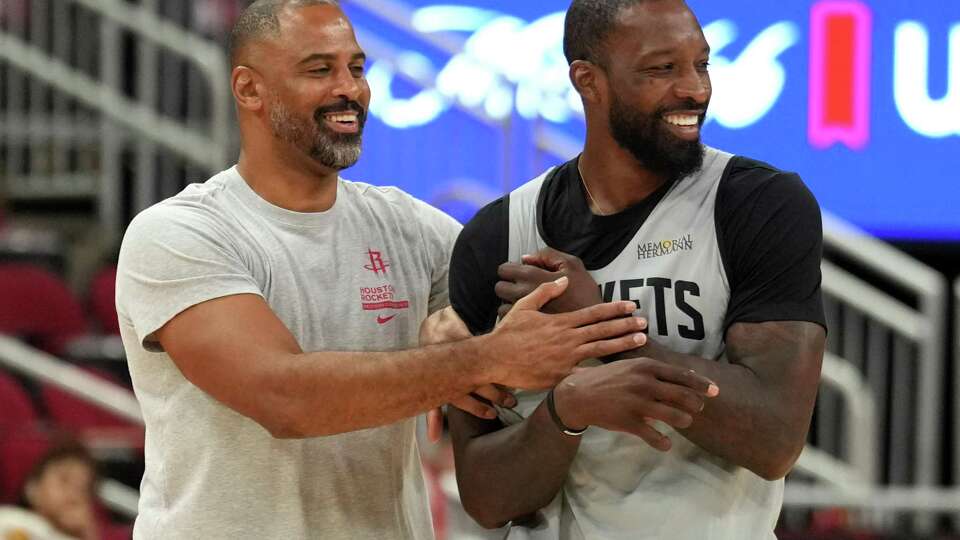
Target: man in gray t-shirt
point(270, 315)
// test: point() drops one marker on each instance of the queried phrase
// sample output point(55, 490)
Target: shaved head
point(261, 20)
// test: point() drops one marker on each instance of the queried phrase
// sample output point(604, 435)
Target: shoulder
point(384, 194)
point(171, 218)
point(389, 197)
point(748, 185)
point(197, 218)
point(14, 520)
point(198, 202)
point(408, 213)
point(487, 222)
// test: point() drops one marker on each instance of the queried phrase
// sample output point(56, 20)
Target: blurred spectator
point(58, 498)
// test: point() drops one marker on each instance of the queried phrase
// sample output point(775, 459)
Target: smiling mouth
point(343, 121)
point(684, 124)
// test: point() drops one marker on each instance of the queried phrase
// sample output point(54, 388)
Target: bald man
point(270, 315)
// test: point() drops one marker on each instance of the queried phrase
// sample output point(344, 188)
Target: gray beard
point(336, 151)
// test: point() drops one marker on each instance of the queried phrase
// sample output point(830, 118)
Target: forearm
point(507, 474)
point(325, 393)
point(746, 424)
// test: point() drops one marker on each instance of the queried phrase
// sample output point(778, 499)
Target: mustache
point(343, 106)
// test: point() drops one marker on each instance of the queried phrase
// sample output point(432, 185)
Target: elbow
point(286, 415)
point(485, 515)
point(284, 431)
point(487, 521)
point(772, 472)
point(778, 465)
point(283, 427)
point(282, 421)
point(494, 510)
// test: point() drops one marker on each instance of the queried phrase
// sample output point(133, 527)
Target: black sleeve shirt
point(768, 231)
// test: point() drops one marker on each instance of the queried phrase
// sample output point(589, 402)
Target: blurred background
point(108, 106)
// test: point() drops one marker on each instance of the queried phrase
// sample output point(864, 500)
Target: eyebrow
point(329, 56)
point(666, 51)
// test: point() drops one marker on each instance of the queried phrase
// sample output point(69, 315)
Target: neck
point(287, 178)
point(615, 178)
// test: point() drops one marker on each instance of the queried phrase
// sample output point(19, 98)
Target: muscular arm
point(508, 472)
point(238, 351)
point(769, 376)
point(759, 421)
point(769, 379)
point(511, 472)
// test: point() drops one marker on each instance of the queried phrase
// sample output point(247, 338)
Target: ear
point(247, 88)
point(586, 78)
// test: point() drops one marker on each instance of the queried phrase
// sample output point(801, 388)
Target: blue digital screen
point(471, 99)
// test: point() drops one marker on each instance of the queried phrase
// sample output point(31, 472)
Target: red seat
point(19, 452)
point(102, 300)
point(16, 408)
point(115, 531)
point(37, 305)
point(88, 421)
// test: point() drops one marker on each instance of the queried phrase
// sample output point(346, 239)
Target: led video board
point(862, 98)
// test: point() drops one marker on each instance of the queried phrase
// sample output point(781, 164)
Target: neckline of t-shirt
point(237, 184)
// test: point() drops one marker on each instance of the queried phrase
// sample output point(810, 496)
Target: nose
point(694, 84)
point(348, 86)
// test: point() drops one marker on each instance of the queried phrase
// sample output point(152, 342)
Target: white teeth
point(342, 117)
point(682, 119)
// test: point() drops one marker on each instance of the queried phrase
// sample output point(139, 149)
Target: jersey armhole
point(718, 207)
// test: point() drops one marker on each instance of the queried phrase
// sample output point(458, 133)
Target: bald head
point(261, 20)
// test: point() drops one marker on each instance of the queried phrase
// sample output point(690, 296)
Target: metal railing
point(890, 348)
point(956, 381)
point(73, 124)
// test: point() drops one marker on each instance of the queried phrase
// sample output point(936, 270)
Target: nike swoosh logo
point(384, 320)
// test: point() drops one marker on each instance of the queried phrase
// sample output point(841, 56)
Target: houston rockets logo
point(377, 265)
point(382, 296)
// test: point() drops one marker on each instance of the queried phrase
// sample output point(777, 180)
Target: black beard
point(650, 142)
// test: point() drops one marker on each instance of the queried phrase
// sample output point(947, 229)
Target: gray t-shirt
point(361, 276)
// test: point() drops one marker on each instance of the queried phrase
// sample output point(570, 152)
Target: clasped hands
point(628, 395)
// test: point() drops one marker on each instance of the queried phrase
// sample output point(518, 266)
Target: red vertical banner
point(840, 56)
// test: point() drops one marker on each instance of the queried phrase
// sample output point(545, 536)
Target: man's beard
point(334, 150)
point(652, 144)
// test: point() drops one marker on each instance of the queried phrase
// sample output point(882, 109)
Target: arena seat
point(36, 305)
point(88, 421)
point(101, 298)
point(16, 409)
point(94, 425)
point(19, 451)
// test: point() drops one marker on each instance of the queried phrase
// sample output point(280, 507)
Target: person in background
point(57, 500)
